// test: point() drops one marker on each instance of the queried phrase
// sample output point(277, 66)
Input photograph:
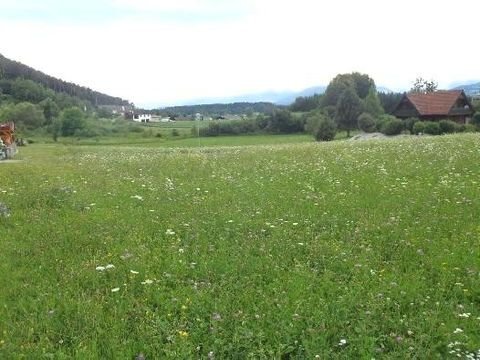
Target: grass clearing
point(341, 250)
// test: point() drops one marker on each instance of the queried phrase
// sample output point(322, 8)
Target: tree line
point(11, 70)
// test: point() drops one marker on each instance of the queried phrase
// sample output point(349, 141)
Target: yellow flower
point(182, 333)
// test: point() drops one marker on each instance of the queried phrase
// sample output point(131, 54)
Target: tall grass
point(336, 250)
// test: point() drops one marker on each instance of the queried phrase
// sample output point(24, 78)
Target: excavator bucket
point(8, 148)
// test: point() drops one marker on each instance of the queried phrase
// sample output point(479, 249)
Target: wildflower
point(138, 197)
point(294, 224)
point(4, 210)
point(115, 289)
point(458, 331)
point(110, 266)
point(100, 268)
point(147, 282)
point(169, 232)
point(133, 272)
point(342, 342)
point(182, 333)
point(464, 315)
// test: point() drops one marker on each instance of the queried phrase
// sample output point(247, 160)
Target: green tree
point(326, 129)
point(50, 110)
point(421, 85)
point(349, 107)
point(372, 103)
point(360, 83)
point(336, 88)
point(28, 90)
point(72, 120)
point(366, 122)
point(25, 115)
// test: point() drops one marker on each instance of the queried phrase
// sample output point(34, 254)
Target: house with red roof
point(443, 104)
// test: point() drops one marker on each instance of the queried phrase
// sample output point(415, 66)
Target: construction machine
point(8, 147)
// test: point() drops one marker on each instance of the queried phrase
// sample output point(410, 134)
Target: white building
point(144, 118)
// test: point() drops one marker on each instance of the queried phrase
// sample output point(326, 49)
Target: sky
point(167, 52)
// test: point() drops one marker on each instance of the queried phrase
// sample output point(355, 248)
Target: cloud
point(170, 51)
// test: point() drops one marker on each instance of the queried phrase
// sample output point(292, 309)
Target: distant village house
point(143, 118)
point(452, 105)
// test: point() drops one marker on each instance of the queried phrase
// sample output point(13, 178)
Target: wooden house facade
point(446, 104)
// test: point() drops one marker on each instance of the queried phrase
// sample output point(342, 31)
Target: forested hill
point(11, 70)
point(237, 108)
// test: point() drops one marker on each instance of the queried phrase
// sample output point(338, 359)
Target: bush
point(476, 119)
point(459, 128)
point(470, 128)
point(432, 128)
point(175, 132)
point(393, 127)
point(447, 126)
point(410, 122)
point(382, 120)
point(418, 128)
point(326, 130)
point(366, 123)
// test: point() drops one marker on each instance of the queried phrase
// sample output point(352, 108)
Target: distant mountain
point(471, 89)
point(285, 98)
point(219, 109)
point(383, 89)
point(275, 97)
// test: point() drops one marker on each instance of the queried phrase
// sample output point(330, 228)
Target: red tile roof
point(436, 103)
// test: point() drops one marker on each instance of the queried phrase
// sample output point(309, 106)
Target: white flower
point(458, 331)
point(115, 289)
point(170, 232)
point(342, 342)
point(147, 282)
point(100, 268)
point(134, 272)
point(110, 266)
point(464, 315)
point(294, 224)
point(181, 251)
point(138, 197)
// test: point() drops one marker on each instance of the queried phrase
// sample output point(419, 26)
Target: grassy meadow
point(342, 250)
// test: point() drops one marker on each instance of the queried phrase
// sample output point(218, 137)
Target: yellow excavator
point(8, 147)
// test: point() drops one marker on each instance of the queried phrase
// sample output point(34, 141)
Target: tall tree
point(421, 85)
point(360, 83)
point(349, 107)
point(372, 103)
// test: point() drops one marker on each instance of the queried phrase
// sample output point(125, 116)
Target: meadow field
point(341, 250)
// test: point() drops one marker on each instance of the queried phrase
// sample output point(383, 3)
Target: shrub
point(476, 119)
point(410, 122)
point(326, 130)
point(382, 120)
point(366, 123)
point(418, 128)
point(470, 128)
point(392, 127)
point(432, 128)
point(447, 126)
point(175, 132)
point(459, 128)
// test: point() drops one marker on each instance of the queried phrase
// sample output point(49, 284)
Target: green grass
point(343, 250)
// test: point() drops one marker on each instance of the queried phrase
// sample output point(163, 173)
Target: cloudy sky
point(175, 51)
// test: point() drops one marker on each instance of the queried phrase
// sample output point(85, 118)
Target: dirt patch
point(10, 161)
point(368, 136)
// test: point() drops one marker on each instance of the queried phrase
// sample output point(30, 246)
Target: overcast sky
point(172, 51)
